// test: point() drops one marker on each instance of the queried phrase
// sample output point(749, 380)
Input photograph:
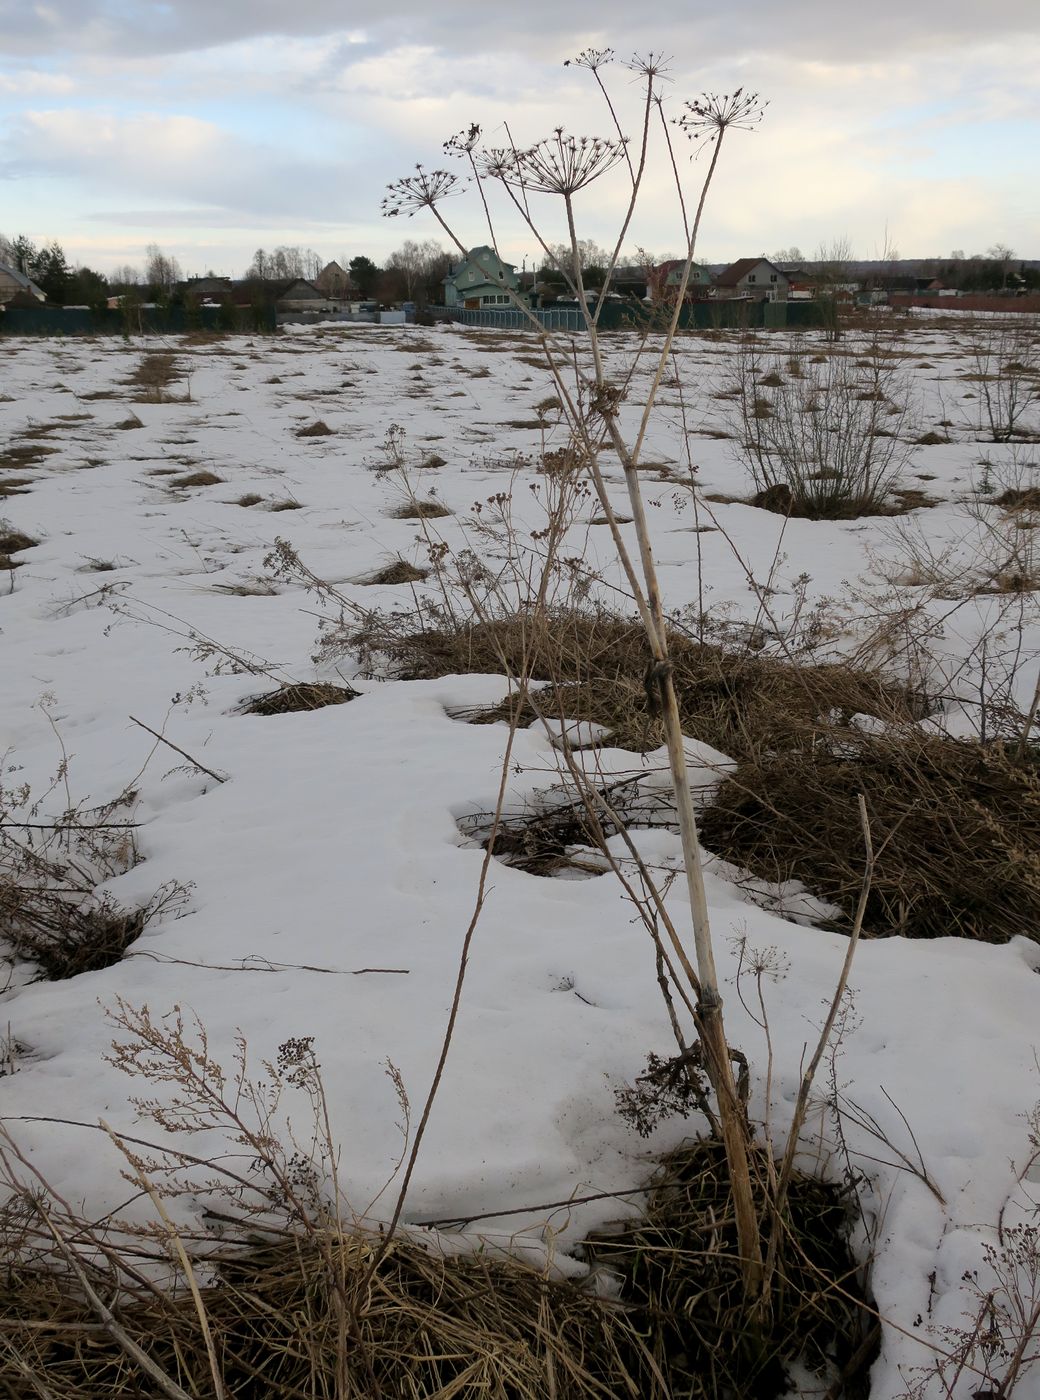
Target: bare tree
point(417, 269)
point(284, 264)
point(834, 258)
point(259, 268)
point(832, 274)
point(161, 270)
point(1002, 254)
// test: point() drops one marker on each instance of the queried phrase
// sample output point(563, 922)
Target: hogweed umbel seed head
point(463, 143)
point(591, 59)
point(423, 190)
point(564, 164)
point(711, 114)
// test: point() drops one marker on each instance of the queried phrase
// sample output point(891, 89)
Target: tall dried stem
point(562, 166)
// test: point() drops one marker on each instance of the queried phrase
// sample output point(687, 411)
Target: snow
point(334, 844)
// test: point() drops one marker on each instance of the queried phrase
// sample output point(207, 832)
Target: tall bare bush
point(829, 443)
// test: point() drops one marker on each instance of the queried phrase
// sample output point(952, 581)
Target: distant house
point(756, 279)
point(481, 280)
point(335, 282)
point(300, 295)
point(664, 281)
point(12, 282)
point(285, 294)
point(208, 288)
point(801, 284)
point(631, 281)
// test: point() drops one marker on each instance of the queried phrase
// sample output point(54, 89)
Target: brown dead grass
point(299, 696)
point(956, 825)
point(429, 1323)
point(400, 571)
point(200, 478)
point(316, 429)
point(420, 510)
point(13, 542)
point(21, 455)
point(154, 375)
point(1027, 498)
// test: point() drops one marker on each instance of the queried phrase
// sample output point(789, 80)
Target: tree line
point(416, 271)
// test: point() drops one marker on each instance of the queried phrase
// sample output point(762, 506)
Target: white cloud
point(35, 83)
point(263, 117)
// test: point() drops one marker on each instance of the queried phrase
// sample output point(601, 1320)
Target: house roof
point(26, 283)
point(332, 272)
point(665, 270)
point(473, 256)
point(731, 275)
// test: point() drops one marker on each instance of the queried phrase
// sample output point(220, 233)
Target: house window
point(751, 277)
point(772, 277)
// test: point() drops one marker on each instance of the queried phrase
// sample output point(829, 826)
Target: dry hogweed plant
point(594, 390)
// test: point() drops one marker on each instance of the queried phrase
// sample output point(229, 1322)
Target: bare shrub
point(827, 444)
point(1006, 374)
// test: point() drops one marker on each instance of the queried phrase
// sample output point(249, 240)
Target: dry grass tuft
point(15, 486)
point(1025, 498)
point(154, 375)
point(24, 455)
point(199, 478)
point(427, 1325)
point(63, 936)
point(420, 510)
point(956, 826)
point(249, 499)
point(400, 571)
point(317, 429)
point(286, 505)
point(291, 699)
point(50, 911)
point(12, 541)
point(679, 1273)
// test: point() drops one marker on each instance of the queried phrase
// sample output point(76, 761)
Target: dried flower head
point(463, 142)
point(649, 65)
point(422, 190)
point(496, 162)
point(591, 59)
point(705, 119)
point(565, 164)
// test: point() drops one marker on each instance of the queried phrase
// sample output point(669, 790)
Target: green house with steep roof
point(481, 280)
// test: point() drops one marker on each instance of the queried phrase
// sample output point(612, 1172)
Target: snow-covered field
point(328, 887)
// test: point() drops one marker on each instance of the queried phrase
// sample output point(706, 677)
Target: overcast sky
point(213, 127)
